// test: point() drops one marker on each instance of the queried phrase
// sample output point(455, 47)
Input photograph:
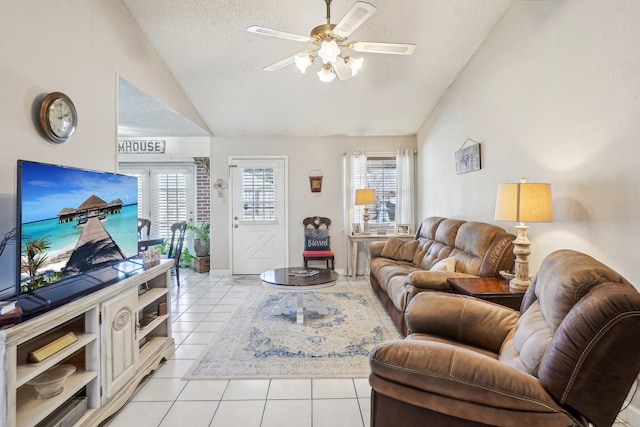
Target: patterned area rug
point(256, 344)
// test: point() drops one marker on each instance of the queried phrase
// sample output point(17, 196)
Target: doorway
point(259, 195)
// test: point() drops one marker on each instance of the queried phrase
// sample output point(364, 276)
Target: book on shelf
point(303, 273)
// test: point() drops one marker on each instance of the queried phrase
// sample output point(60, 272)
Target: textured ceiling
point(219, 65)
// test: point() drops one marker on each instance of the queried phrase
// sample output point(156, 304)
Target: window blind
point(169, 194)
point(258, 194)
point(382, 177)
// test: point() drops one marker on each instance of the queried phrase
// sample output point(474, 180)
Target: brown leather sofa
point(569, 359)
point(402, 269)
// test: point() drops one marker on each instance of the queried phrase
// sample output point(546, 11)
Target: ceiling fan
point(329, 40)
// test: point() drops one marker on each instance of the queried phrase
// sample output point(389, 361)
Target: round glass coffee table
point(297, 281)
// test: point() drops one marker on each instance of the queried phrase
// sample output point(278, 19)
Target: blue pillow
point(316, 240)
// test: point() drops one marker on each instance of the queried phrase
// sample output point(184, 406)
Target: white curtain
point(355, 177)
point(405, 170)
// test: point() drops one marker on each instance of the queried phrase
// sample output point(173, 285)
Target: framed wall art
point(468, 158)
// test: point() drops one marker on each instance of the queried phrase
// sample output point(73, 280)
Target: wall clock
point(58, 117)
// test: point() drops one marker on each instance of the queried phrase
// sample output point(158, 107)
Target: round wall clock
point(58, 117)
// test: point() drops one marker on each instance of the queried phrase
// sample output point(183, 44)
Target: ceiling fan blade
point(355, 17)
point(388, 48)
point(279, 64)
point(280, 34)
point(342, 70)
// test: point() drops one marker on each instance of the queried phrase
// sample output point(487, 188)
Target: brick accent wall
point(203, 190)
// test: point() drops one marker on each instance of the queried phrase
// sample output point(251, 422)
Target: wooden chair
point(142, 224)
point(178, 231)
point(316, 241)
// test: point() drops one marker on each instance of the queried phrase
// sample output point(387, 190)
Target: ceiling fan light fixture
point(329, 40)
point(329, 51)
point(354, 63)
point(326, 74)
point(303, 62)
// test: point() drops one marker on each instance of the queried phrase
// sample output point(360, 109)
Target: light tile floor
point(200, 307)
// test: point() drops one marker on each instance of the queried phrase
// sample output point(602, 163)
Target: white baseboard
point(219, 273)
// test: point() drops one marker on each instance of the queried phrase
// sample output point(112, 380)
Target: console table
point(123, 333)
point(355, 239)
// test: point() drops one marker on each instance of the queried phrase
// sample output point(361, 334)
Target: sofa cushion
point(447, 264)
point(458, 373)
point(396, 292)
point(384, 269)
point(398, 249)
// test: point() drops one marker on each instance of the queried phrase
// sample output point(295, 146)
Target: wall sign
point(315, 180)
point(141, 146)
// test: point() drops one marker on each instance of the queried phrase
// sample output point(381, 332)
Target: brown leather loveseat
point(569, 359)
point(442, 248)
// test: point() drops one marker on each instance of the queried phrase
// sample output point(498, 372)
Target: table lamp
point(523, 202)
point(365, 197)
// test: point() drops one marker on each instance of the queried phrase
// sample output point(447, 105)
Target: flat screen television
point(74, 228)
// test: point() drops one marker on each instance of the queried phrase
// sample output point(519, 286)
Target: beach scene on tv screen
point(74, 221)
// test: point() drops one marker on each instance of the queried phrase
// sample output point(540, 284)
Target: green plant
point(201, 232)
point(201, 239)
point(186, 258)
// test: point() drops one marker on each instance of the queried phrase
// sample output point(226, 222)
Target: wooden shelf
point(31, 410)
point(151, 347)
point(151, 326)
point(150, 296)
point(27, 371)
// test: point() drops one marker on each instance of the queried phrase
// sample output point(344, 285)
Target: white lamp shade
point(524, 202)
point(329, 51)
point(366, 196)
point(326, 74)
point(355, 64)
point(302, 62)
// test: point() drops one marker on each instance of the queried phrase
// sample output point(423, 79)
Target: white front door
point(259, 215)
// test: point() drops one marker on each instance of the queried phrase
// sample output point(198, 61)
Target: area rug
point(256, 344)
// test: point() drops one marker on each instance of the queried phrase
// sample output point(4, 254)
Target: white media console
point(123, 331)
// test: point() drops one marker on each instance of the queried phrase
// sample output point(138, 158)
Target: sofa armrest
point(460, 318)
point(401, 367)
point(375, 248)
point(432, 280)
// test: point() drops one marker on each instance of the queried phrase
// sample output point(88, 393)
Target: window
point(165, 193)
point(381, 176)
point(258, 194)
point(169, 195)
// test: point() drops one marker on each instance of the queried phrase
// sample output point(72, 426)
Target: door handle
point(235, 225)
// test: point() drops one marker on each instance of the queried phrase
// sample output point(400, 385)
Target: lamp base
point(365, 221)
point(521, 249)
point(519, 285)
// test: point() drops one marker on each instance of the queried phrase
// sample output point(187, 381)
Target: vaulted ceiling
point(220, 65)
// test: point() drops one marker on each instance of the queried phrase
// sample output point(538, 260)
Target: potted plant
point(201, 239)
